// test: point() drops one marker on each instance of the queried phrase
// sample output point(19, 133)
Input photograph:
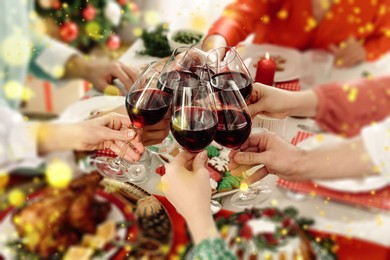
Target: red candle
point(265, 72)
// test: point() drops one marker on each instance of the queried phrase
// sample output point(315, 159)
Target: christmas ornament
point(93, 30)
point(122, 2)
point(89, 12)
point(112, 12)
point(56, 4)
point(69, 31)
point(113, 42)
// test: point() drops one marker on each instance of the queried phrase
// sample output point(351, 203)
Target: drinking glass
point(228, 67)
point(146, 104)
point(193, 117)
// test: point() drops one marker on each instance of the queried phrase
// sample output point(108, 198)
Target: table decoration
point(265, 71)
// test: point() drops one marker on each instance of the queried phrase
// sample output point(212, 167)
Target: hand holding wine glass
point(146, 104)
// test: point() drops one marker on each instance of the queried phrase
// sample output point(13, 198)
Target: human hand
point(107, 131)
point(269, 101)
point(349, 53)
point(278, 157)
point(186, 185)
point(152, 134)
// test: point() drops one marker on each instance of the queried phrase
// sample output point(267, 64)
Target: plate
point(82, 109)
point(354, 185)
point(143, 238)
point(251, 54)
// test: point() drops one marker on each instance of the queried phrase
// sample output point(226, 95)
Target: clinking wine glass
point(228, 66)
point(193, 118)
point(146, 104)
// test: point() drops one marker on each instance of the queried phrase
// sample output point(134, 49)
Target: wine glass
point(146, 104)
point(228, 66)
point(193, 117)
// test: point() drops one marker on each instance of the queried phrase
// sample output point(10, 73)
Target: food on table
point(268, 233)
point(279, 60)
point(187, 37)
point(79, 253)
point(59, 218)
point(221, 178)
point(152, 219)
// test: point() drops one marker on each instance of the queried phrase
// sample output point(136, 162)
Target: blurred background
point(105, 29)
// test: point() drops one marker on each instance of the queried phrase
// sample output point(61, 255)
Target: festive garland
point(85, 23)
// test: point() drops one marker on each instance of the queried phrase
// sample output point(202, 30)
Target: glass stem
point(118, 159)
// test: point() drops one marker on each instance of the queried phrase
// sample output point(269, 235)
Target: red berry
point(89, 12)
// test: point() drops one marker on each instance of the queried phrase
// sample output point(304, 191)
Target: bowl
point(184, 37)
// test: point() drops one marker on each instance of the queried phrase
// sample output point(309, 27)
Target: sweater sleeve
point(211, 249)
point(239, 19)
point(344, 108)
point(376, 139)
point(379, 41)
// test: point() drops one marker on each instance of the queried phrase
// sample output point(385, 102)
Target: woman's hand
point(277, 155)
point(108, 131)
point(349, 54)
point(187, 186)
point(280, 103)
point(101, 74)
point(153, 134)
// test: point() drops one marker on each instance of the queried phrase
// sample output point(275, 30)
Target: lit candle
point(265, 71)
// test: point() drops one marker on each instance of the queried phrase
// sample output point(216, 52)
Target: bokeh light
point(58, 174)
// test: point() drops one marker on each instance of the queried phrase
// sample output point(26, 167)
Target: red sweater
point(346, 108)
point(290, 23)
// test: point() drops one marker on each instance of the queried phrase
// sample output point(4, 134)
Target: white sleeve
point(54, 56)
point(376, 139)
point(18, 141)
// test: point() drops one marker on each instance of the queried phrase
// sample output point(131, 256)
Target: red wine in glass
point(147, 107)
point(224, 80)
point(169, 80)
point(193, 127)
point(234, 127)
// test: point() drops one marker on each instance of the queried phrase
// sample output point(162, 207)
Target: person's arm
point(187, 186)
point(238, 20)
point(344, 108)
point(378, 43)
point(348, 158)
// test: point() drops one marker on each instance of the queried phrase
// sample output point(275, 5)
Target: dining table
point(353, 221)
point(364, 230)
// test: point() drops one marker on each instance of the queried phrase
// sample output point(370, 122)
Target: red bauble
point(113, 42)
point(89, 12)
point(69, 31)
point(56, 4)
point(122, 2)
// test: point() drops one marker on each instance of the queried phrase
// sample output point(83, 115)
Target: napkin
point(292, 85)
point(376, 199)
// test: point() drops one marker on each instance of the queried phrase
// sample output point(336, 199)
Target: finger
point(183, 157)
point(240, 169)
point(115, 135)
point(119, 73)
point(333, 48)
point(115, 121)
point(131, 72)
point(256, 176)
point(129, 155)
point(200, 161)
point(250, 158)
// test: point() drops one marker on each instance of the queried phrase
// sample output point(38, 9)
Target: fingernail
point(131, 133)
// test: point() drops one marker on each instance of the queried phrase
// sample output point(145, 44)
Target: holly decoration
point(84, 24)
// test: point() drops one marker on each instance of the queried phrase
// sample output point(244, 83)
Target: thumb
point(333, 48)
point(250, 158)
point(255, 108)
point(124, 135)
point(200, 161)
